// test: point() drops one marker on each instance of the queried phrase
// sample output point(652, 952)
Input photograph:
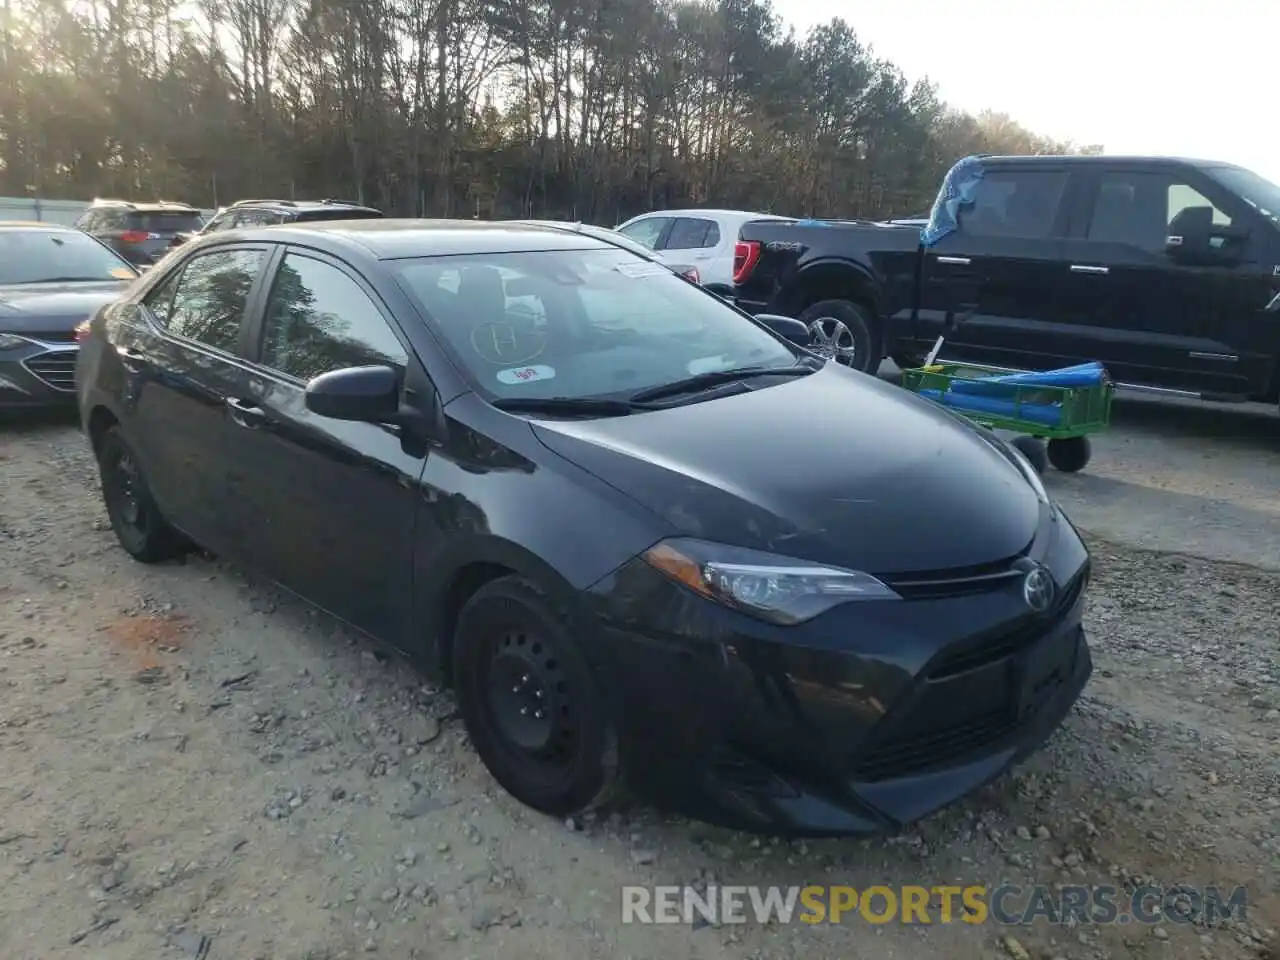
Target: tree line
point(584, 109)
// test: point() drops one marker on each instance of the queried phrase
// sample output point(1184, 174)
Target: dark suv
point(262, 213)
point(142, 233)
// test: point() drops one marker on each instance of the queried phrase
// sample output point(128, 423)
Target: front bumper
point(860, 721)
point(40, 373)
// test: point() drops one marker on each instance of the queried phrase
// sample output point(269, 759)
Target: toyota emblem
point(1038, 589)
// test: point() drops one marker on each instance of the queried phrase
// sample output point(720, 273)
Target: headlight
point(10, 340)
point(782, 590)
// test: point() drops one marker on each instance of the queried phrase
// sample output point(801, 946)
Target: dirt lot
point(193, 765)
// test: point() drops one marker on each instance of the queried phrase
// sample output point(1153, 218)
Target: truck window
point(1015, 203)
point(1137, 208)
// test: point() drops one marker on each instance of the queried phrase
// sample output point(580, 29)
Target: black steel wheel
point(135, 518)
point(530, 702)
point(1070, 454)
point(1033, 450)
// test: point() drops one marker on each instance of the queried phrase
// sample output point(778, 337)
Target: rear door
point(693, 241)
point(182, 359)
point(326, 506)
point(1003, 265)
point(1150, 319)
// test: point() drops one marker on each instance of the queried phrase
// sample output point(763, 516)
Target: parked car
point(619, 532)
point(51, 279)
point(142, 233)
point(1166, 271)
point(261, 213)
point(706, 237)
point(686, 270)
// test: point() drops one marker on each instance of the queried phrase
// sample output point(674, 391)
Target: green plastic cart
point(1064, 444)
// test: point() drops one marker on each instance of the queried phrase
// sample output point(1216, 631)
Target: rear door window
point(1015, 203)
point(210, 297)
point(692, 233)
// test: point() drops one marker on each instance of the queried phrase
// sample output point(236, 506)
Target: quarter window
point(1138, 209)
point(319, 319)
point(208, 303)
point(1014, 203)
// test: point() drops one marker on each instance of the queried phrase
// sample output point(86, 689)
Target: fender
point(447, 572)
point(835, 278)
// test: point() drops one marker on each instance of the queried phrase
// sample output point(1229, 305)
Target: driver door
point(327, 506)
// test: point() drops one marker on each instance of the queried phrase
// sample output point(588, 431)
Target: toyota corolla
point(650, 541)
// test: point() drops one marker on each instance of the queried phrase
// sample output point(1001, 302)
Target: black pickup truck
point(1167, 271)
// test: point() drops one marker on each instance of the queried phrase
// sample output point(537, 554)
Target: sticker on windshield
point(525, 374)
point(122, 273)
point(642, 268)
point(708, 364)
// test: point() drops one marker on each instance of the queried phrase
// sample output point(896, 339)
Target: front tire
point(530, 701)
point(1070, 454)
point(843, 331)
point(138, 524)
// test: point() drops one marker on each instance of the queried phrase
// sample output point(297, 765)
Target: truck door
point(1156, 316)
point(1004, 263)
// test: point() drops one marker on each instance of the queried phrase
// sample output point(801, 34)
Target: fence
point(65, 212)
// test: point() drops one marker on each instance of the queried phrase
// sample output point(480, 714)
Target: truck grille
point(55, 370)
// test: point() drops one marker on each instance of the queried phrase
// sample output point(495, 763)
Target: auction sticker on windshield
point(525, 374)
point(642, 269)
point(708, 364)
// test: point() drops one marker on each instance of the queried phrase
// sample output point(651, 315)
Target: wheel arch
point(449, 579)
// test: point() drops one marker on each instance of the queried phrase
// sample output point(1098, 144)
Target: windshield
point(36, 256)
point(1259, 192)
point(581, 323)
point(165, 222)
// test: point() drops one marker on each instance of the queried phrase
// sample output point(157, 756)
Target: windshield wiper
point(569, 405)
point(713, 378)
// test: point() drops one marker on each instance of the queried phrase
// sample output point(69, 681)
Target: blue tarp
point(957, 188)
point(1047, 414)
point(1081, 375)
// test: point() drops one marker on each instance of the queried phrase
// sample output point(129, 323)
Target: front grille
point(56, 370)
point(53, 336)
point(935, 585)
point(913, 753)
point(987, 650)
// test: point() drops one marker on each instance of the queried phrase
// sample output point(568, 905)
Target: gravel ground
point(194, 764)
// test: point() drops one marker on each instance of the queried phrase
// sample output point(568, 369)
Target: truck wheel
point(1070, 454)
point(842, 331)
point(1033, 450)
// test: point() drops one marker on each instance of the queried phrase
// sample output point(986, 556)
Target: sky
point(1189, 78)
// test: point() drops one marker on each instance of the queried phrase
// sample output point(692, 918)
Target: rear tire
point(1034, 450)
point(139, 526)
point(844, 331)
point(1070, 454)
point(530, 701)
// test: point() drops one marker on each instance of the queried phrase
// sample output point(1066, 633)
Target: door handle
point(245, 413)
point(955, 261)
point(132, 359)
point(1086, 268)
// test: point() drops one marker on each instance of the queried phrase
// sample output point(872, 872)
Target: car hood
point(54, 306)
point(836, 467)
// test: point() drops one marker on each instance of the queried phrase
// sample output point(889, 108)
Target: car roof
point(36, 225)
point(390, 239)
point(1104, 159)
point(708, 212)
point(143, 206)
point(301, 205)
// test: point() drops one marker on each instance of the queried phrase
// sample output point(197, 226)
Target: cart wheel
point(1034, 451)
point(1070, 454)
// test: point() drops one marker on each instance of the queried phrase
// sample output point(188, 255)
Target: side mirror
point(366, 394)
point(787, 327)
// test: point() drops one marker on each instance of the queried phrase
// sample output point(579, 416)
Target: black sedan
point(52, 279)
point(649, 540)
